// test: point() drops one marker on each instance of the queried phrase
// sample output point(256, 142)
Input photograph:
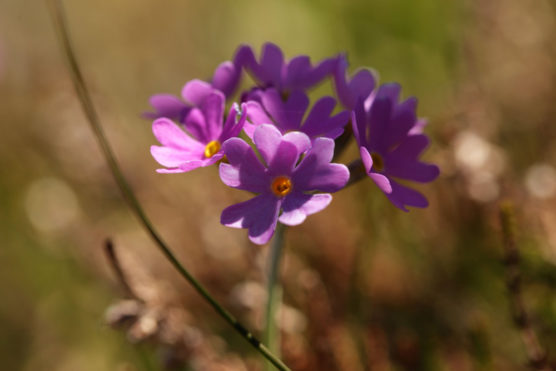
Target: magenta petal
point(379, 118)
point(272, 61)
point(287, 115)
point(390, 91)
point(402, 120)
point(358, 88)
point(334, 126)
point(297, 71)
point(234, 124)
point(194, 164)
point(226, 78)
point(166, 105)
point(315, 172)
point(195, 91)
point(249, 129)
point(195, 123)
point(402, 196)
point(359, 124)
point(419, 127)
point(411, 148)
point(320, 113)
point(244, 57)
point(171, 135)
point(257, 116)
point(318, 73)
point(245, 170)
point(171, 157)
point(361, 85)
point(299, 139)
point(284, 159)
point(366, 158)
point(380, 180)
point(414, 170)
point(297, 206)
point(259, 215)
point(213, 110)
point(267, 138)
point(175, 170)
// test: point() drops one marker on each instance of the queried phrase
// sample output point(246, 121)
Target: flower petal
point(172, 157)
point(315, 172)
point(299, 139)
point(284, 159)
point(402, 196)
point(195, 91)
point(297, 70)
point(267, 138)
point(256, 116)
point(413, 170)
point(234, 124)
point(226, 78)
point(403, 119)
point(359, 87)
point(259, 215)
point(379, 119)
point(317, 74)
point(320, 113)
point(270, 69)
point(166, 105)
point(359, 124)
point(419, 127)
point(244, 170)
point(171, 135)
point(380, 180)
point(297, 206)
point(195, 123)
point(287, 115)
point(213, 110)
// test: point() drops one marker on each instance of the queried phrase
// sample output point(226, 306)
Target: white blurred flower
point(50, 204)
point(540, 180)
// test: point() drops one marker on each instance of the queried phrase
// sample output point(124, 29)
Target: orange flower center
point(378, 162)
point(281, 186)
point(212, 148)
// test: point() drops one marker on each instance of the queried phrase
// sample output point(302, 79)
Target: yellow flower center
point(211, 148)
point(378, 162)
point(281, 186)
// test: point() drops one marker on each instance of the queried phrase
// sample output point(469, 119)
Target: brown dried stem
point(535, 352)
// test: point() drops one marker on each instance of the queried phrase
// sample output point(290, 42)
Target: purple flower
point(181, 152)
point(273, 71)
point(351, 90)
point(282, 184)
point(288, 115)
point(225, 80)
point(390, 141)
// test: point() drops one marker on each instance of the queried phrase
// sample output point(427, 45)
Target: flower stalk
point(57, 12)
point(274, 293)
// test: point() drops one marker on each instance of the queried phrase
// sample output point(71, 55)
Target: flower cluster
point(284, 155)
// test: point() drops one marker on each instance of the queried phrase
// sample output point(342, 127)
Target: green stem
point(59, 19)
point(274, 290)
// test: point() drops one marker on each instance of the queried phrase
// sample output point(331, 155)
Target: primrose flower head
point(201, 145)
point(284, 184)
point(390, 141)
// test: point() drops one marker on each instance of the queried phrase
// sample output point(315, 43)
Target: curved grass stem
point(57, 11)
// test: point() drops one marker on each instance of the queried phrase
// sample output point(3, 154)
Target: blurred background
point(380, 290)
